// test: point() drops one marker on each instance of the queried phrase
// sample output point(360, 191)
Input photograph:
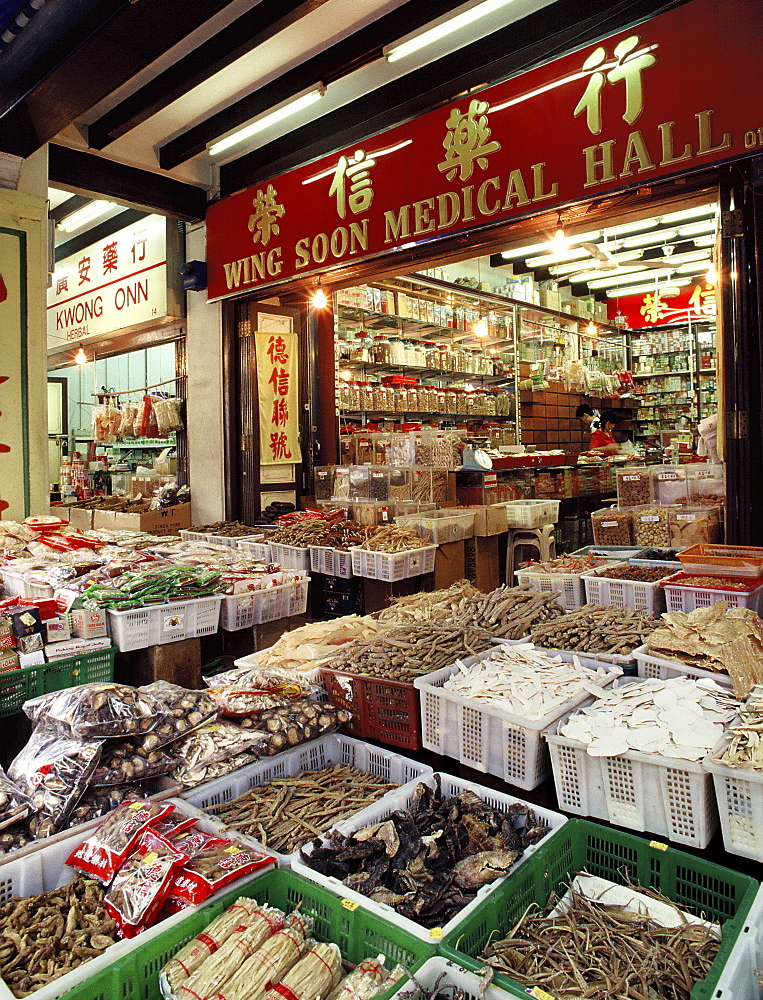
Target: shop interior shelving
point(520, 335)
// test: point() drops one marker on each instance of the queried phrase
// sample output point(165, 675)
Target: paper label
point(435, 933)
point(610, 524)
point(658, 845)
point(686, 517)
point(650, 517)
point(350, 904)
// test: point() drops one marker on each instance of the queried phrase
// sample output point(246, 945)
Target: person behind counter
point(603, 440)
point(588, 416)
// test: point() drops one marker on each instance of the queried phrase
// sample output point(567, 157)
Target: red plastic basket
point(383, 710)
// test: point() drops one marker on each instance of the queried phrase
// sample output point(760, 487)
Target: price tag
point(539, 994)
point(631, 479)
point(658, 845)
point(649, 517)
point(435, 933)
point(686, 517)
point(610, 524)
point(665, 476)
point(350, 904)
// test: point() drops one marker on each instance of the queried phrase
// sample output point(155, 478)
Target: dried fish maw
point(744, 666)
point(479, 869)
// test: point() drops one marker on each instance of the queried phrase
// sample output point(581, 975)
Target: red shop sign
point(693, 302)
point(673, 94)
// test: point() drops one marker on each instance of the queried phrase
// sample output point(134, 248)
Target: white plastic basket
point(622, 660)
point(143, 627)
point(392, 566)
point(290, 556)
point(740, 979)
point(231, 541)
point(531, 513)
point(655, 666)
point(570, 586)
point(330, 561)
point(739, 792)
point(314, 756)
point(439, 526)
point(258, 550)
point(16, 585)
point(488, 739)
point(258, 606)
point(46, 869)
point(633, 594)
point(469, 984)
point(401, 799)
point(667, 796)
point(687, 599)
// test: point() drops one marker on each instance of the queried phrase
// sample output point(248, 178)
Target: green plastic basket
point(720, 894)
point(18, 686)
point(358, 932)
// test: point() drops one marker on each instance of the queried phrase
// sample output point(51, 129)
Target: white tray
point(400, 800)
point(333, 748)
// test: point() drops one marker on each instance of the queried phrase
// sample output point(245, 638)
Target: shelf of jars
point(429, 414)
point(440, 375)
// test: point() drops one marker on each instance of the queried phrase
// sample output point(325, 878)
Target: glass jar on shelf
point(397, 351)
point(361, 351)
point(490, 403)
point(382, 354)
point(378, 396)
point(457, 354)
point(402, 403)
point(353, 395)
point(432, 354)
point(469, 402)
point(366, 396)
point(343, 394)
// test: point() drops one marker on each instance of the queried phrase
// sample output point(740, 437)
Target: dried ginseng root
point(256, 930)
point(210, 940)
point(314, 976)
point(269, 963)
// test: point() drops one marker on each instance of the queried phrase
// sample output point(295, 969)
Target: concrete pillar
point(204, 409)
point(24, 482)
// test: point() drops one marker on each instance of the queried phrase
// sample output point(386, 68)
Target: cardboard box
point(78, 517)
point(9, 661)
point(483, 561)
point(7, 638)
point(448, 564)
point(88, 623)
point(551, 299)
point(57, 630)
point(489, 520)
point(74, 647)
point(169, 521)
point(25, 621)
point(32, 659)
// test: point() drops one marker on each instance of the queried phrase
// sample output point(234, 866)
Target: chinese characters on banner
point(645, 103)
point(277, 385)
point(693, 303)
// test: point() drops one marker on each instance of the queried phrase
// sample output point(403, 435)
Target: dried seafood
point(594, 629)
point(429, 860)
point(393, 538)
point(287, 812)
point(308, 646)
point(678, 717)
point(719, 638)
point(427, 607)
point(602, 951)
point(641, 574)
point(524, 681)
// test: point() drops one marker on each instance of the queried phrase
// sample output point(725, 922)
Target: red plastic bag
point(222, 861)
point(106, 849)
point(148, 424)
point(140, 887)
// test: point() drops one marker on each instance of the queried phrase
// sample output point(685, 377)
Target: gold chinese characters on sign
point(278, 394)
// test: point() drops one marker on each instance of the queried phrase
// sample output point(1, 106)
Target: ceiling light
point(285, 110)
point(689, 213)
point(80, 358)
point(694, 267)
point(574, 253)
point(76, 220)
point(705, 241)
point(698, 228)
point(560, 244)
point(712, 275)
point(622, 278)
point(320, 299)
point(632, 227)
point(646, 238)
point(481, 329)
point(592, 329)
point(616, 293)
point(401, 49)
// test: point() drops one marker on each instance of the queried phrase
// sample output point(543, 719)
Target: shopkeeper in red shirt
point(602, 440)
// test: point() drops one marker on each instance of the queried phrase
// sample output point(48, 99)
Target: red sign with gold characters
point(659, 308)
point(276, 355)
point(672, 94)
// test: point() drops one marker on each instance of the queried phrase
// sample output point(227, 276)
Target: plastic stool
point(543, 539)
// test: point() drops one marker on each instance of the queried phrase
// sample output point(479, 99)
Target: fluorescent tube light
point(76, 220)
point(278, 114)
point(698, 228)
point(616, 293)
point(689, 213)
point(402, 49)
point(622, 278)
point(656, 239)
